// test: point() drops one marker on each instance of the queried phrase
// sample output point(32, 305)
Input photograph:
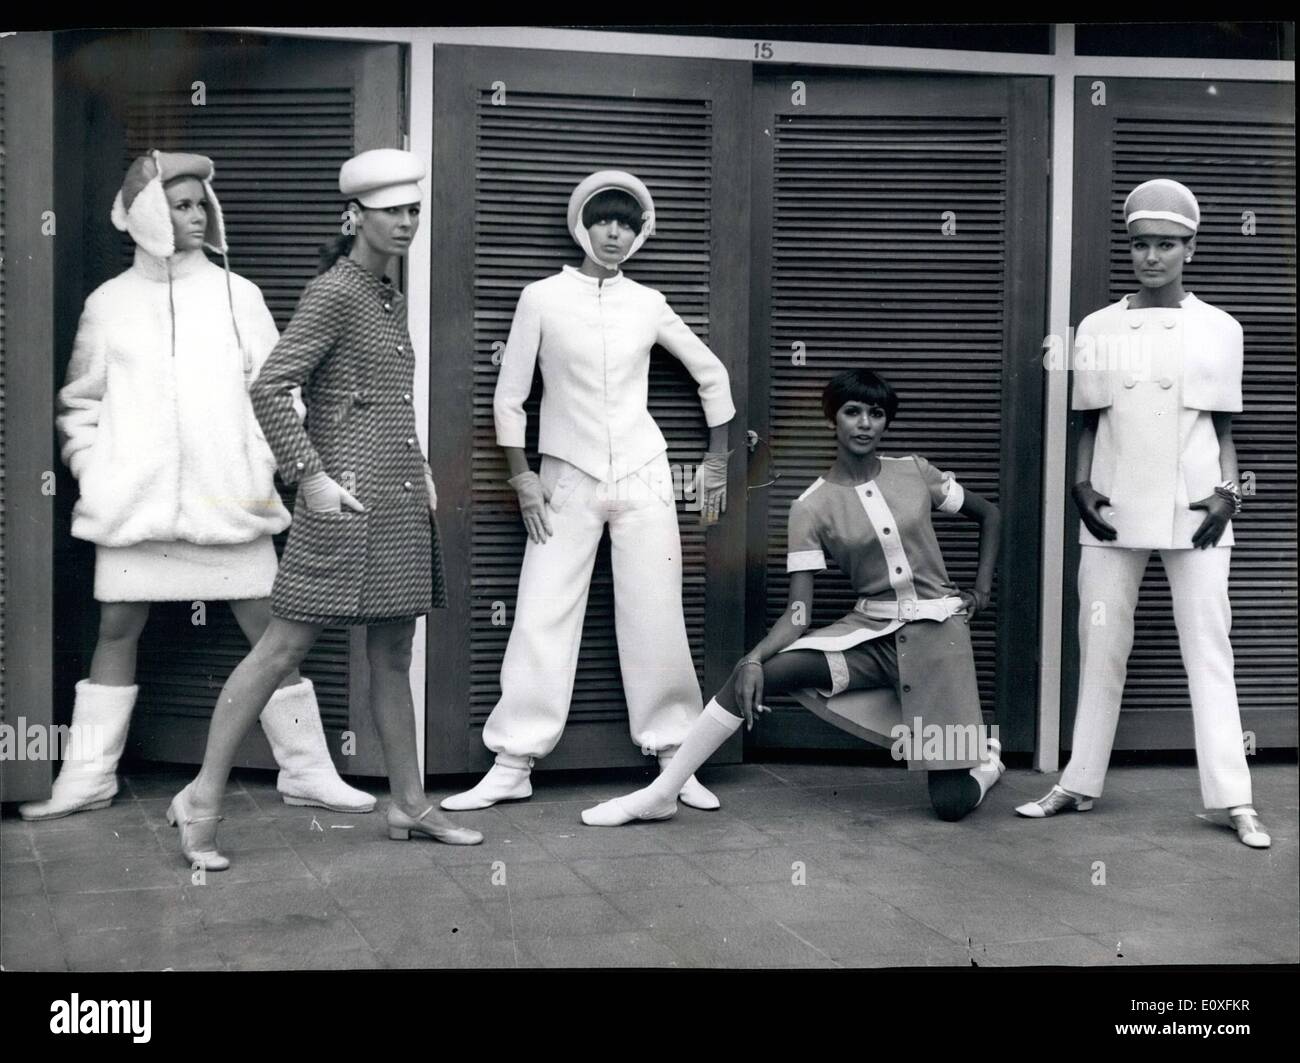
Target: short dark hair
point(859, 385)
point(613, 204)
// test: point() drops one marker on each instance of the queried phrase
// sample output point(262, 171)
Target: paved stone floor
point(805, 866)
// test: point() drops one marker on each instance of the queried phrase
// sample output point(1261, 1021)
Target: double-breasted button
point(899, 571)
point(886, 531)
point(868, 494)
point(406, 486)
point(410, 442)
point(388, 306)
point(406, 396)
point(1131, 380)
point(300, 465)
point(906, 689)
point(902, 638)
point(401, 348)
point(1169, 322)
point(1166, 383)
point(1135, 322)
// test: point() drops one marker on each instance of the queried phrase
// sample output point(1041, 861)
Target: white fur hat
point(601, 181)
point(141, 209)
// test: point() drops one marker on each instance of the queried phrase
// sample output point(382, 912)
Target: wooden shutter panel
point(4, 565)
point(1237, 156)
point(862, 274)
point(530, 155)
point(277, 155)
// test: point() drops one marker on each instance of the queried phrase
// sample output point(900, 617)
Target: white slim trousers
point(1109, 578)
point(537, 674)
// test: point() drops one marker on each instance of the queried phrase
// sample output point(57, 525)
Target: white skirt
point(184, 572)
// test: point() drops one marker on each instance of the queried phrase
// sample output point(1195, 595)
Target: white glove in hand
point(532, 505)
point(711, 486)
point(323, 495)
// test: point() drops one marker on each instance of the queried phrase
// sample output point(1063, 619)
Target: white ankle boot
point(293, 726)
point(693, 793)
point(506, 780)
point(101, 717)
point(988, 771)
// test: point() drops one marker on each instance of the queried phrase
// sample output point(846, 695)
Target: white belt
point(911, 608)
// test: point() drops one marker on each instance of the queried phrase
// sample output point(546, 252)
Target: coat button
point(388, 307)
point(1130, 381)
point(410, 442)
point(300, 465)
point(886, 531)
point(1134, 322)
point(1166, 383)
point(1169, 322)
point(406, 396)
point(406, 486)
point(868, 494)
point(401, 348)
point(902, 638)
point(899, 571)
point(906, 689)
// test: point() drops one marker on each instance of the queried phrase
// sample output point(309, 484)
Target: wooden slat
point(529, 155)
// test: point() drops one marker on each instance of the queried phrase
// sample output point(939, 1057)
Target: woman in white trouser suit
point(1159, 376)
point(604, 461)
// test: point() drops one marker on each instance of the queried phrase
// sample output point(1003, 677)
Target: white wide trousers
point(537, 674)
point(1109, 578)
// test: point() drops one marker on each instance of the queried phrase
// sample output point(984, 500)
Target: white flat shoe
point(1056, 800)
point(502, 783)
point(615, 813)
point(1249, 829)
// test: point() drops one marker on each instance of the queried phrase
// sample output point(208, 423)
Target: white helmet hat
point(602, 181)
point(1163, 208)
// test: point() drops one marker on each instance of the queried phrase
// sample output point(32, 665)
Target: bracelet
point(1230, 496)
point(750, 660)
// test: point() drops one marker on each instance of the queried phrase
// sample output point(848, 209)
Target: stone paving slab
point(806, 865)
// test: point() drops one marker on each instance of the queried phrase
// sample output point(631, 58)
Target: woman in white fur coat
point(176, 480)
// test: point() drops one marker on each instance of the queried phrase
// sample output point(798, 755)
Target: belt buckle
point(907, 609)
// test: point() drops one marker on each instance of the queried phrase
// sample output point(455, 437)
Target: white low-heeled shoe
point(1249, 829)
point(615, 813)
point(1056, 800)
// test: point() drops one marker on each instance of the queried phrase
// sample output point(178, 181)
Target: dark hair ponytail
point(332, 250)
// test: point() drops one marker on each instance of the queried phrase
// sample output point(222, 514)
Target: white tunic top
point(593, 343)
point(1156, 374)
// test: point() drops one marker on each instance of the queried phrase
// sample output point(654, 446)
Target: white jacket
point(166, 447)
point(593, 342)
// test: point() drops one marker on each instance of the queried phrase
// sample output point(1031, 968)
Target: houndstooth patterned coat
point(348, 348)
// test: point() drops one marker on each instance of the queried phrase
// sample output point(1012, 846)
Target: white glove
point(323, 495)
point(532, 505)
point(711, 486)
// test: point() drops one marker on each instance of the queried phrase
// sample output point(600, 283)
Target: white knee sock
point(659, 800)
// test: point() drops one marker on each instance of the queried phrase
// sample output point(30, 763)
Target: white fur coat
point(164, 446)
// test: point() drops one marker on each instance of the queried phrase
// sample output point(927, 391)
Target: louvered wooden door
point(1233, 144)
point(278, 118)
point(514, 132)
point(900, 225)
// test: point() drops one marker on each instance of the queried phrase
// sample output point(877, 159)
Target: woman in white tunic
point(870, 515)
point(604, 463)
point(1158, 375)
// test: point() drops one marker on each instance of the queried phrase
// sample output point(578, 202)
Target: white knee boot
point(293, 726)
point(101, 717)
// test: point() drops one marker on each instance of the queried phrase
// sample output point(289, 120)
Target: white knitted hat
point(1164, 208)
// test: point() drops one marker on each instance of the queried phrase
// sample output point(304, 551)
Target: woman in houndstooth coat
point(362, 549)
